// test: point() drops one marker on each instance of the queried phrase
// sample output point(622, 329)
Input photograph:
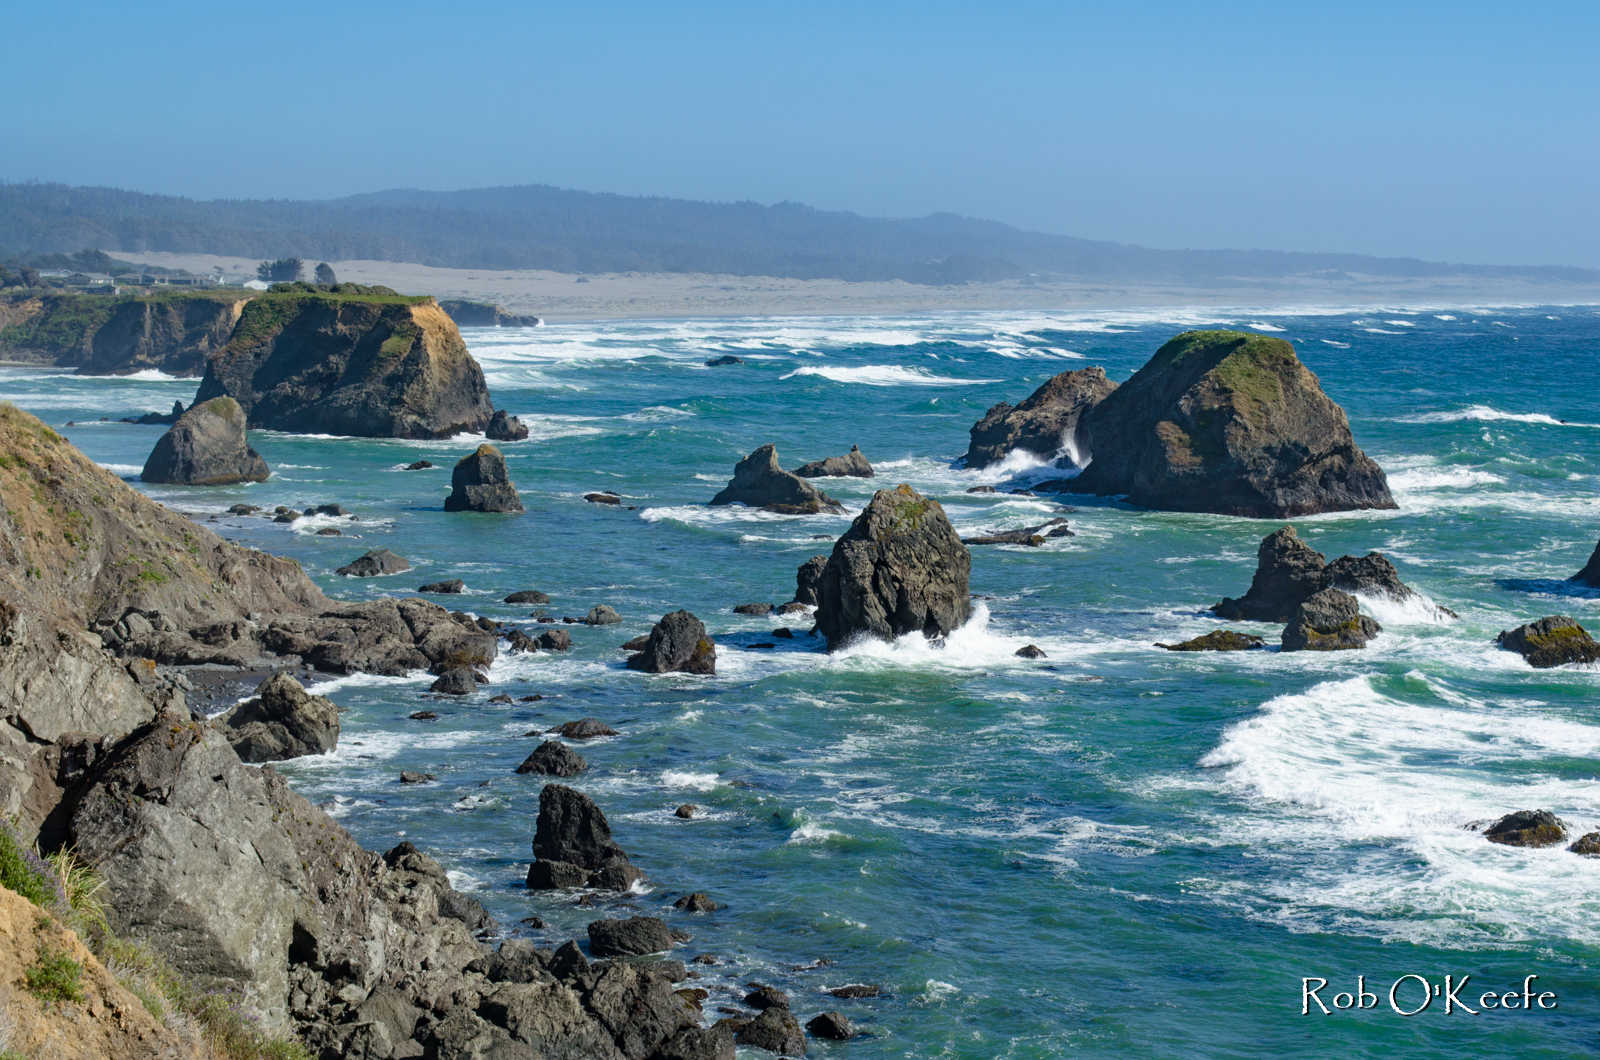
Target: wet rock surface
point(481, 483)
point(1219, 640)
point(1033, 536)
point(1527, 828)
point(1330, 620)
point(678, 643)
point(852, 465)
point(1555, 640)
point(1042, 424)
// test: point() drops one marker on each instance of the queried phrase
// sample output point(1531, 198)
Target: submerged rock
point(852, 465)
point(1527, 828)
point(1029, 651)
point(758, 482)
point(899, 569)
point(1218, 640)
point(572, 845)
point(555, 759)
point(1552, 641)
point(481, 483)
point(585, 729)
point(686, 811)
point(528, 596)
point(282, 721)
point(698, 902)
point(1229, 423)
point(504, 427)
point(1330, 620)
point(727, 358)
point(1590, 574)
point(451, 587)
point(752, 609)
point(377, 561)
point(1588, 845)
point(1043, 424)
point(1033, 536)
point(419, 465)
point(206, 447)
point(678, 643)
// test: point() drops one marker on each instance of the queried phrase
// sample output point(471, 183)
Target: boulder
point(855, 990)
point(521, 642)
point(554, 759)
point(419, 465)
point(454, 585)
point(572, 845)
point(528, 596)
point(555, 640)
point(1330, 620)
point(1033, 536)
point(678, 643)
point(899, 569)
point(831, 1025)
point(698, 902)
point(206, 447)
point(282, 721)
point(1288, 571)
point(1029, 651)
point(752, 609)
point(603, 498)
point(686, 811)
point(852, 465)
point(807, 579)
point(1044, 424)
point(1527, 828)
point(377, 561)
point(765, 997)
point(481, 483)
point(633, 937)
point(775, 1030)
point(758, 482)
point(1218, 640)
point(1555, 640)
point(329, 531)
point(727, 358)
point(1588, 845)
point(383, 367)
point(1590, 574)
point(412, 776)
point(601, 615)
point(1228, 423)
point(698, 1043)
point(584, 729)
point(456, 681)
point(505, 428)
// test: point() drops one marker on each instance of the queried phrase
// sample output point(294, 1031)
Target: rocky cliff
point(99, 335)
point(1230, 423)
point(376, 366)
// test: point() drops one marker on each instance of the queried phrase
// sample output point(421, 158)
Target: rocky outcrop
point(807, 580)
point(1288, 572)
point(481, 483)
point(572, 845)
point(775, 1030)
point(1032, 536)
point(368, 366)
point(758, 482)
point(1218, 640)
point(1590, 574)
point(374, 562)
point(504, 427)
point(172, 332)
point(554, 759)
point(1552, 641)
point(852, 465)
point(206, 447)
point(1229, 423)
point(899, 569)
point(1044, 424)
point(633, 937)
point(678, 643)
point(1329, 620)
point(282, 721)
point(484, 315)
point(1527, 828)
point(831, 1025)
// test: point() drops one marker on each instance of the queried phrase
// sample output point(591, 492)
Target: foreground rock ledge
point(899, 569)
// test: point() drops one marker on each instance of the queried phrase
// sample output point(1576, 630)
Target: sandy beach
point(557, 296)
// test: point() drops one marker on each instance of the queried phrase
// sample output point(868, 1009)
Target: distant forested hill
point(540, 227)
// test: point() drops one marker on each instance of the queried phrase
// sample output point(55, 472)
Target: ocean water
point(1111, 851)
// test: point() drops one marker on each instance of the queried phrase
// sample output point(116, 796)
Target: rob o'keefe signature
point(1412, 994)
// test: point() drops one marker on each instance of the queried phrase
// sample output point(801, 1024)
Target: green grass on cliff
point(270, 313)
point(65, 319)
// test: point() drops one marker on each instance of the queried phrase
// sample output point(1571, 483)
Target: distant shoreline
point(563, 297)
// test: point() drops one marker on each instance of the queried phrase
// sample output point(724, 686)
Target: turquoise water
point(1112, 851)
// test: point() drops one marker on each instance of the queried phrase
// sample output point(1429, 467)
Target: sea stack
point(1590, 574)
point(1043, 424)
point(899, 569)
point(206, 447)
point(1228, 423)
point(758, 482)
point(481, 483)
point(851, 465)
point(1289, 572)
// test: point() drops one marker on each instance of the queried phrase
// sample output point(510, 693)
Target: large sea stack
point(899, 569)
point(758, 482)
point(1229, 423)
point(1043, 424)
point(206, 447)
point(369, 365)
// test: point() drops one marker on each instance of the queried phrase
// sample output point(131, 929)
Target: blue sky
point(1461, 131)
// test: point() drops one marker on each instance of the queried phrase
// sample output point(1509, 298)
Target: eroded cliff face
point(101, 335)
point(376, 367)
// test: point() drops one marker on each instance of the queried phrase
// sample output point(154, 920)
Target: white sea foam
point(1382, 331)
point(811, 832)
point(1401, 323)
point(1443, 316)
point(1412, 610)
point(1485, 414)
point(672, 778)
point(154, 375)
point(123, 469)
point(881, 375)
point(1257, 325)
point(1340, 345)
point(1426, 478)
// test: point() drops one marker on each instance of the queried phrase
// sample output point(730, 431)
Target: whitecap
point(1485, 414)
point(672, 778)
point(1340, 345)
point(1381, 331)
point(1424, 478)
point(1257, 325)
point(882, 375)
point(124, 469)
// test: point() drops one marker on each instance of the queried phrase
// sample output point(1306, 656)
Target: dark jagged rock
point(698, 902)
point(753, 609)
point(601, 615)
point(335, 510)
point(572, 845)
point(633, 937)
point(554, 759)
point(727, 358)
point(376, 368)
point(555, 640)
point(481, 483)
point(686, 811)
point(1033, 536)
point(1029, 651)
point(329, 531)
point(1590, 574)
point(584, 729)
point(1552, 641)
point(1527, 828)
point(806, 580)
point(412, 776)
point(206, 447)
point(484, 315)
point(528, 596)
point(678, 643)
point(982, 489)
point(282, 721)
point(1288, 571)
point(758, 482)
point(1043, 424)
point(854, 990)
point(899, 569)
point(1229, 423)
point(1588, 845)
point(151, 419)
point(852, 465)
point(783, 633)
point(832, 1025)
point(765, 997)
point(501, 698)
point(243, 509)
point(504, 427)
point(424, 715)
point(1218, 640)
point(373, 563)
point(1330, 620)
point(456, 681)
point(521, 642)
point(603, 498)
point(419, 465)
point(454, 585)
point(775, 1030)
point(698, 1043)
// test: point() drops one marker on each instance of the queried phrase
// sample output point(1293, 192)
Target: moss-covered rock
point(1527, 828)
point(1555, 640)
point(1218, 640)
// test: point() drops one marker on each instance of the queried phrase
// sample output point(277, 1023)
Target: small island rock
point(758, 482)
point(678, 643)
point(504, 427)
point(852, 465)
point(1043, 424)
point(1527, 828)
point(555, 759)
point(1552, 641)
point(1330, 620)
point(377, 561)
point(206, 447)
point(1218, 640)
point(481, 483)
point(454, 585)
point(573, 847)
